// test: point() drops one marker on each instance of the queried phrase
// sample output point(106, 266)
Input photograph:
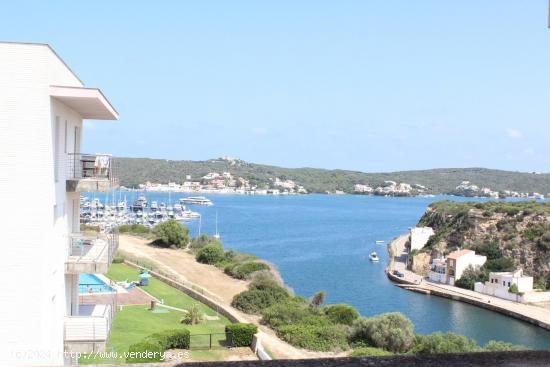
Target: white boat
point(197, 200)
point(374, 257)
point(379, 242)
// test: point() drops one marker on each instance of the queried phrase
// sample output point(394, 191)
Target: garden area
point(139, 325)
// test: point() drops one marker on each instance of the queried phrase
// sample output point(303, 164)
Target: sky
point(364, 85)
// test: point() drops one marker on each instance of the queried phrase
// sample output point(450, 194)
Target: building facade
point(42, 105)
point(513, 286)
point(458, 261)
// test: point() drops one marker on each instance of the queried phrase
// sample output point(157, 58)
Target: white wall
point(34, 234)
point(419, 236)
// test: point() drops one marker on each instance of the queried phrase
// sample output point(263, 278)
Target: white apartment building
point(42, 105)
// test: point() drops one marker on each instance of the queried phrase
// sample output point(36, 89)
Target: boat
point(379, 242)
point(374, 257)
point(154, 206)
point(197, 200)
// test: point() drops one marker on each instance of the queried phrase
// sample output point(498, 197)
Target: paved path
point(400, 260)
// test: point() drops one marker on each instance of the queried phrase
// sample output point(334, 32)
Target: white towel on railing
point(102, 161)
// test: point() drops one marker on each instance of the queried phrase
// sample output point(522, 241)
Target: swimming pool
point(91, 283)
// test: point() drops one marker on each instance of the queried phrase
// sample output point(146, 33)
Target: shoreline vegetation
point(309, 323)
point(231, 175)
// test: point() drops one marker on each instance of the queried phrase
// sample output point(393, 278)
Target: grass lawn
point(133, 323)
point(162, 291)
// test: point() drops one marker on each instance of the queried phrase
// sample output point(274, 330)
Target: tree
point(390, 331)
point(171, 233)
point(193, 316)
point(469, 277)
point(318, 299)
point(498, 346)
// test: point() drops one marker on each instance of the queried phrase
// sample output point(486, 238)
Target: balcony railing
point(90, 254)
point(88, 331)
point(91, 172)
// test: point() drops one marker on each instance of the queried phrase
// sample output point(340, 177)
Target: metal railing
point(90, 328)
point(95, 247)
point(91, 166)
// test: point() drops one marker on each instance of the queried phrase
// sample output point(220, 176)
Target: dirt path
point(221, 287)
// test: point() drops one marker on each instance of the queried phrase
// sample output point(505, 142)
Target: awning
point(90, 103)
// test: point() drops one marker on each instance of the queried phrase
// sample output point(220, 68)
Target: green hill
point(133, 171)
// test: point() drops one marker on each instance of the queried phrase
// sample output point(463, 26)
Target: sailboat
point(217, 235)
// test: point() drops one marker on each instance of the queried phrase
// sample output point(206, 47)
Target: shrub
point(498, 346)
point(341, 314)
point(318, 299)
point(513, 288)
point(369, 351)
point(244, 270)
point(170, 339)
point(443, 343)
point(144, 352)
point(201, 241)
point(241, 334)
point(171, 233)
point(210, 254)
point(193, 316)
point(390, 331)
point(255, 300)
point(284, 313)
point(501, 264)
point(118, 259)
point(89, 228)
point(315, 333)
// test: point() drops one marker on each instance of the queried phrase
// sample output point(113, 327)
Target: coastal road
point(538, 315)
point(218, 286)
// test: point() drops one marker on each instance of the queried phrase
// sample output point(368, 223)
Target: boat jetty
point(107, 216)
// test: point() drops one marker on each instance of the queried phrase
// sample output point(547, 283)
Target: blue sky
point(366, 85)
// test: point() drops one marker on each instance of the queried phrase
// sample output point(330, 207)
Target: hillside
point(133, 171)
point(510, 234)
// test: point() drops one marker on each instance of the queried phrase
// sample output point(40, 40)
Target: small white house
point(458, 261)
point(499, 284)
point(419, 236)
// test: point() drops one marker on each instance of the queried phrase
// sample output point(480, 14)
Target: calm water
point(321, 242)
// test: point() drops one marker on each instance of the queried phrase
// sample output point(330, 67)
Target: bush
point(171, 233)
point(341, 314)
point(118, 259)
point(498, 346)
point(369, 351)
point(443, 343)
point(501, 264)
point(241, 334)
point(263, 292)
point(244, 270)
point(390, 331)
point(285, 313)
point(315, 333)
point(89, 228)
point(170, 339)
point(201, 241)
point(210, 254)
point(144, 352)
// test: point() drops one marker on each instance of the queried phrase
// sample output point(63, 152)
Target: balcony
point(90, 254)
point(91, 172)
point(88, 331)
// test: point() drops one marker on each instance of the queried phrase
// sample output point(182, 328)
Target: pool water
point(90, 283)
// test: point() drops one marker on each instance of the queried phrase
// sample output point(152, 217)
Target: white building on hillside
point(42, 105)
point(500, 283)
point(458, 261)
point(419, 236)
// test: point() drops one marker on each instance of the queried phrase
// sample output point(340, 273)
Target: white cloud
point(514, 133)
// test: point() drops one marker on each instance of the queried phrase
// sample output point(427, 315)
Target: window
point(508, 284)
point(503, 282)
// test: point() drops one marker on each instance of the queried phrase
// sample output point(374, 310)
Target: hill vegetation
point(134, 171)
point(511, 234)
